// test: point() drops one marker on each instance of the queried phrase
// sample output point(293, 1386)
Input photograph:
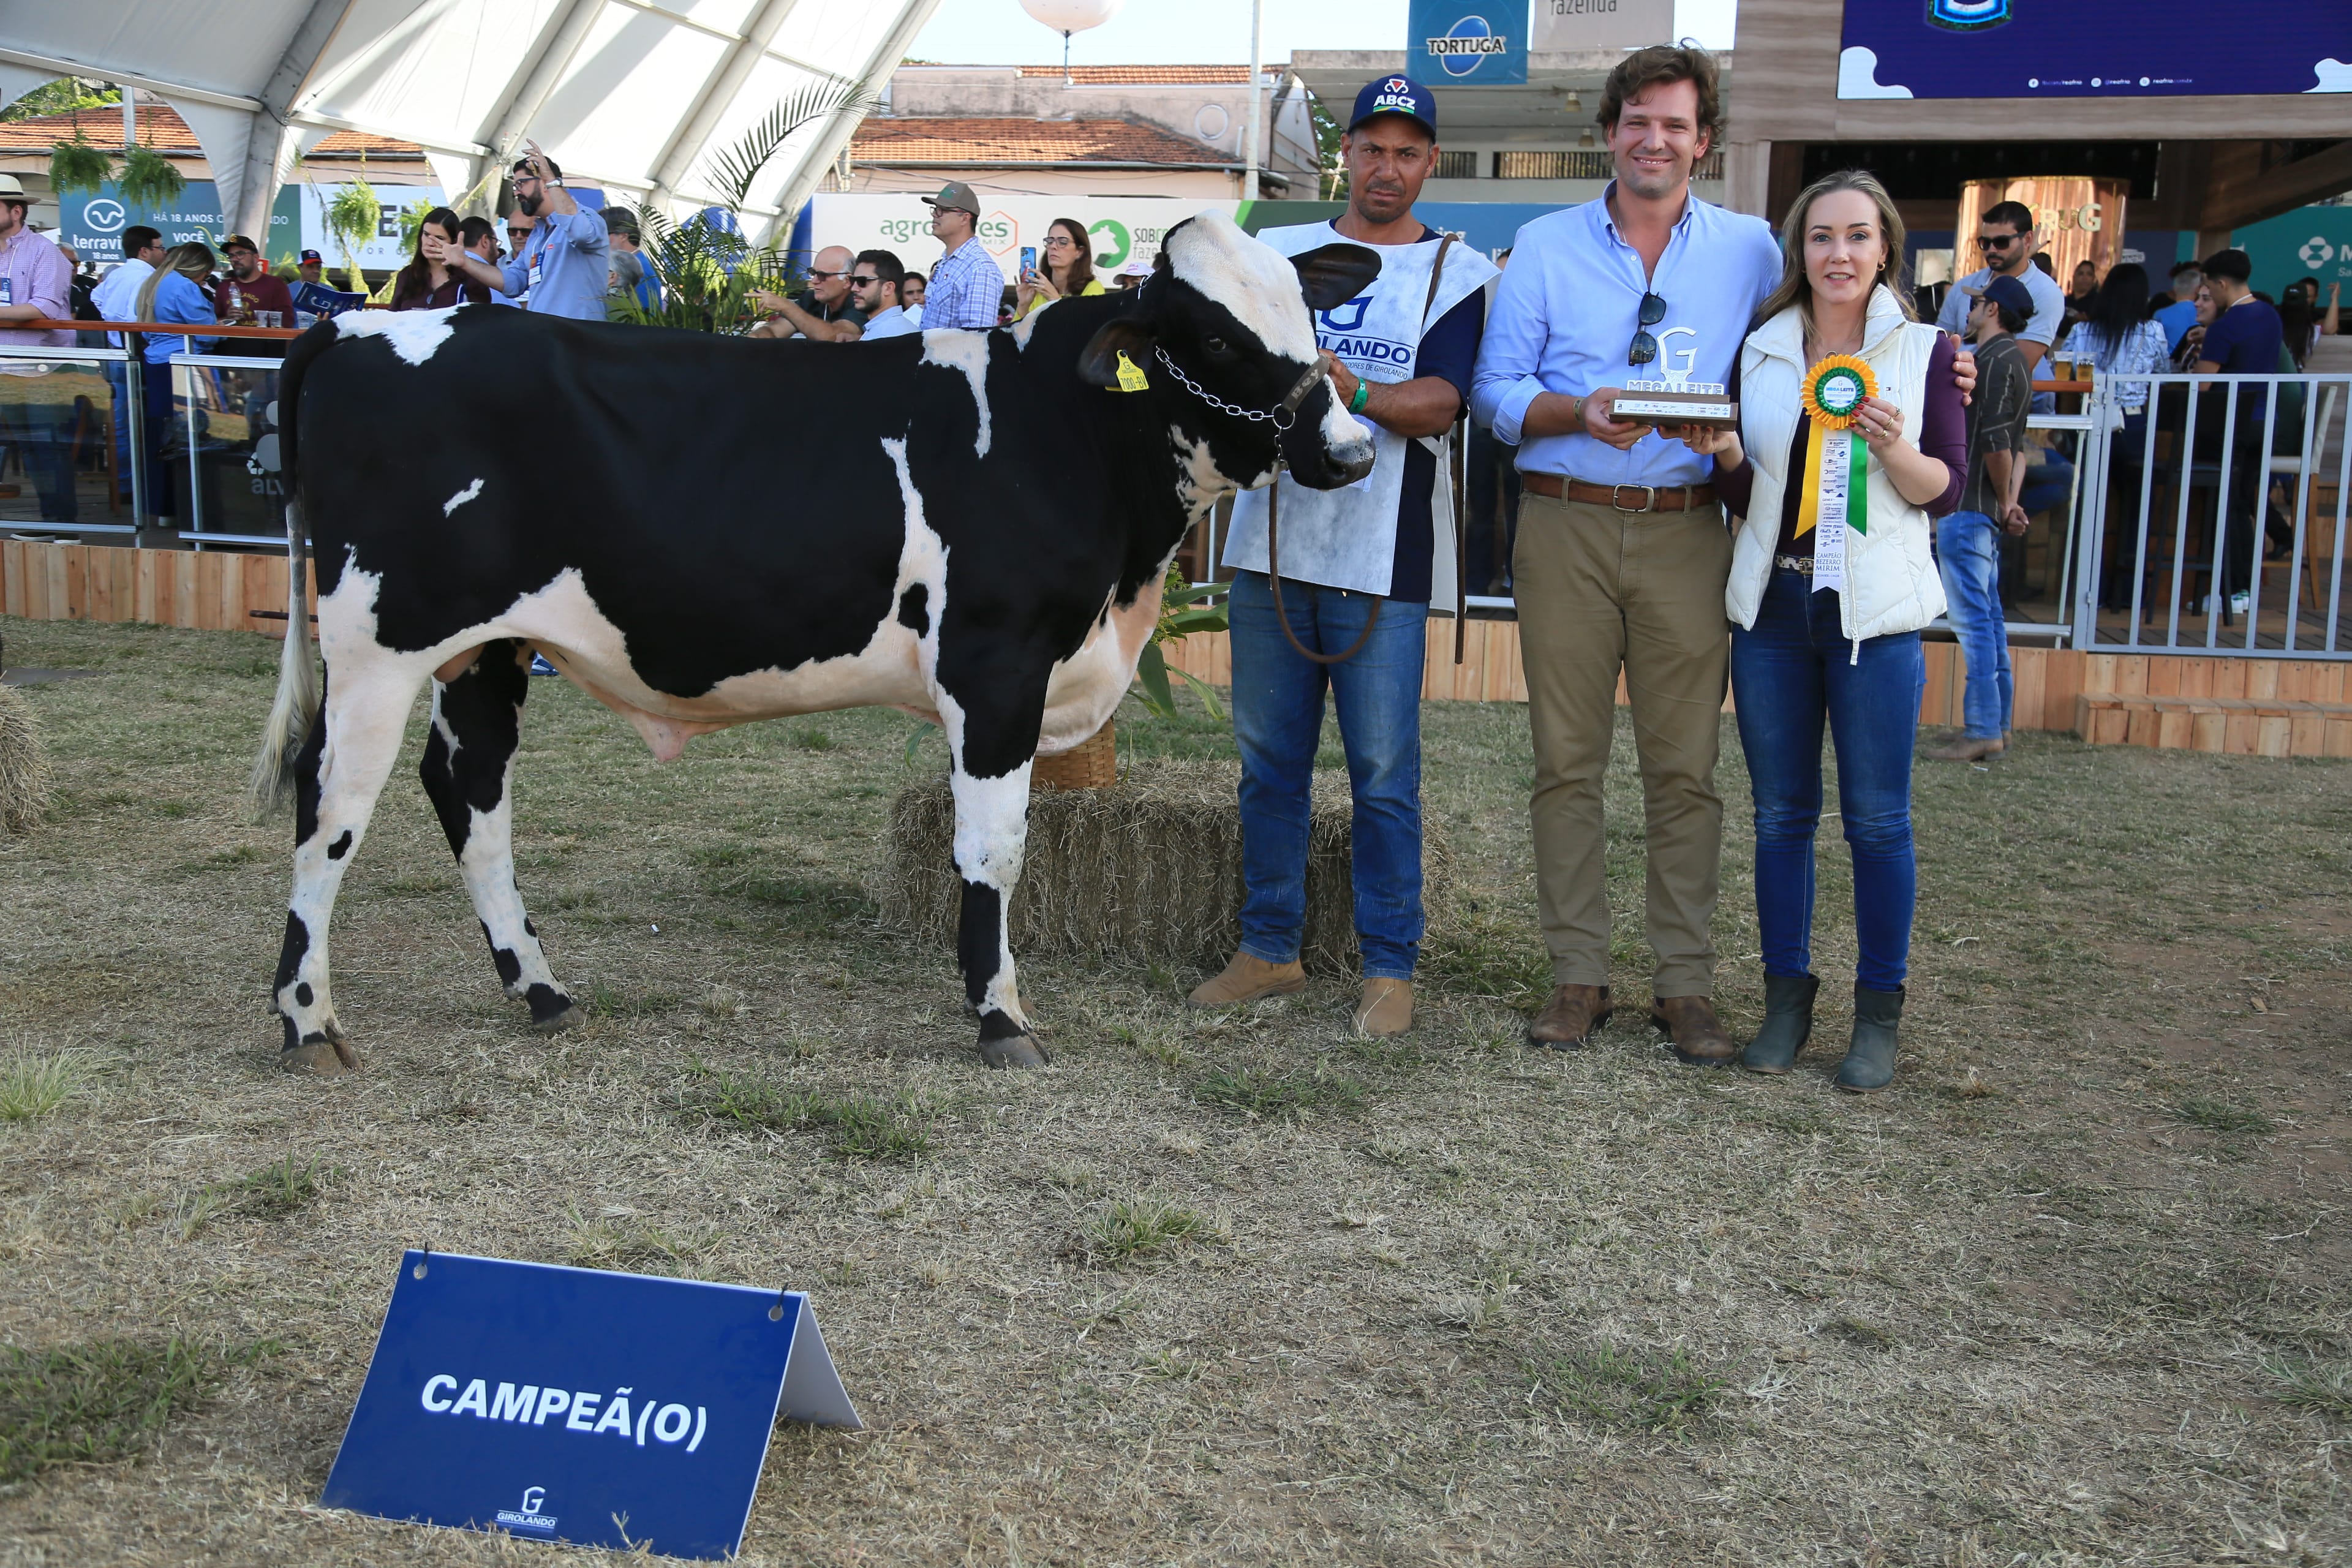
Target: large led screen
point(2093, 48)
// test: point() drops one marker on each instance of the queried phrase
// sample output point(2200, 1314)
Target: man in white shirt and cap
point(1334, 588)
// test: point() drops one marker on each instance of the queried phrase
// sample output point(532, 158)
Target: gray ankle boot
point(1788, 1023)
point(1870, 1062)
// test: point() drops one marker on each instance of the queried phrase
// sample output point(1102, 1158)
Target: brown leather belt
point(1625, 497)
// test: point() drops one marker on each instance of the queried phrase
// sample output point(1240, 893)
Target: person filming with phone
point(1063, 269)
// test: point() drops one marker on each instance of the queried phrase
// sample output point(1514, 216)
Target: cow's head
point(1235, 318)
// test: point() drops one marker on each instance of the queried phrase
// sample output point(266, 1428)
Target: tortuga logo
point(1465, 44)
point(581, 1411)
point(531, 1515)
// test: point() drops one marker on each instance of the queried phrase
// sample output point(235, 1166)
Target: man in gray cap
point(967, 287)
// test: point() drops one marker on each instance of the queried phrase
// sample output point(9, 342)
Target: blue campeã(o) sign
point(578, 1405)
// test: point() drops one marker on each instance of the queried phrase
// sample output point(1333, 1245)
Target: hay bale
point(1149, 871)
point(24, 766)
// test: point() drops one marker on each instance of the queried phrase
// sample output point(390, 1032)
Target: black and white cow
point(703, 532)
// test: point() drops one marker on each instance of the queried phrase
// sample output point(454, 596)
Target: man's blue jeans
point(1968, 554)
point(1278, 720)
point(1795, 668)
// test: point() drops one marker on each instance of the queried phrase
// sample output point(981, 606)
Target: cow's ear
point(1332, 275)
point(1098, 366)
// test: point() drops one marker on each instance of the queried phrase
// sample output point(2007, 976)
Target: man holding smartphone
point(823, 312)
point(566, 262)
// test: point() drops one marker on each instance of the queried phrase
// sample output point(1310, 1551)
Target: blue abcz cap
point(1396, 95)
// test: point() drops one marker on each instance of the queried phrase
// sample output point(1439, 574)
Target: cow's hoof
point(571, 1017)
point(320, 1059)
point(1013, 1051)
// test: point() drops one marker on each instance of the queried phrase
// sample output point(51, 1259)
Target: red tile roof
point(1114, 75)
point(949, 142)
point(160, 127)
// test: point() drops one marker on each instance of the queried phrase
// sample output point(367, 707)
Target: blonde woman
point(1852, 434)
point(174, 292)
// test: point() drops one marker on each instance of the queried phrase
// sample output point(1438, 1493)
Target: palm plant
point(709, 271)
point(352, 216)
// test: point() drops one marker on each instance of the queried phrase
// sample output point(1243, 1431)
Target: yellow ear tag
point(1130, 375)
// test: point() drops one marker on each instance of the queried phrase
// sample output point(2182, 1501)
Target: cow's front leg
point(468, 773)
point(991, 827)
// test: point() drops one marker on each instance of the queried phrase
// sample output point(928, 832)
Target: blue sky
point(1161, 32)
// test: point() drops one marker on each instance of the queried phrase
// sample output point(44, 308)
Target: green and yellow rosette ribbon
point(1837, 461)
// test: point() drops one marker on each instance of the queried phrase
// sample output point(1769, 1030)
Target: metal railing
point(77, 428)
point(2186, 480)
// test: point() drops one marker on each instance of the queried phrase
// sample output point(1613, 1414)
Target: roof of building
point(1120, 76)
point(160, 127)
point(950, 142)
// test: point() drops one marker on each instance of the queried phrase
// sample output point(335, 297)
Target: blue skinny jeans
point(1795, 670)
point(1279, 721)
point(1968, 554)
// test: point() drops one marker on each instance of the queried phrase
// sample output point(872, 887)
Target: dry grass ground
point(1217, 1291)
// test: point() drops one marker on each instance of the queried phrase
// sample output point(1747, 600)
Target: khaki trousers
point(1598, 589)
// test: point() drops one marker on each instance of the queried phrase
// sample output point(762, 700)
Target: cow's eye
point(1214, 344)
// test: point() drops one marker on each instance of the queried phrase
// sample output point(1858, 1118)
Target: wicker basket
point(1092, 763)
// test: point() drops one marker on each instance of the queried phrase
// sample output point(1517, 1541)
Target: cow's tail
point(296, 706)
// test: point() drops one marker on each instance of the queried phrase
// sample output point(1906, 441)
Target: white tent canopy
point(631, 95)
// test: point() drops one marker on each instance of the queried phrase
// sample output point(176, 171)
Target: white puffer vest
point(1891, 582)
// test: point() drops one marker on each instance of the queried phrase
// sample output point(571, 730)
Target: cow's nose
point(1351, 462)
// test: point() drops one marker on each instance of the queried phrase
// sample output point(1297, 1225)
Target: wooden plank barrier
point(214, 590)
point(2253, 706)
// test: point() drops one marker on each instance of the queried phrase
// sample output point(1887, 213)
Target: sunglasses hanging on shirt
point(1644, 346)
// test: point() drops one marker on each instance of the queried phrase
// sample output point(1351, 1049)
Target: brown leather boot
point(1246, 979)
point(1967, 749)
point(1385, 1008)
point(1570, 1016)
point(1698, 1035)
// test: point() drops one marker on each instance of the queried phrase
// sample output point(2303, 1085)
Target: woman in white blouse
point(2117, 337)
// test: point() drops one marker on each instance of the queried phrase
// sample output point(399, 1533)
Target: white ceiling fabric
point(633, 95)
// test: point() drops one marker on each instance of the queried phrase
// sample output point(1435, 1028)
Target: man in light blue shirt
point(2006, 238)
point(874, 279)
point(1623, 554)
point(567, 261)
point(2181, 314)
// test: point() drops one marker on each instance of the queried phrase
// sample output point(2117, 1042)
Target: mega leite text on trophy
point(1676, 399)
point(1705, 403)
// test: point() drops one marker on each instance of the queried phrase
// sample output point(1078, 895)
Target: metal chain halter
point(1283, 415)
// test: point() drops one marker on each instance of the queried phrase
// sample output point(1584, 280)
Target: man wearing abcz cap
point(1358, 568)
point(967, 288)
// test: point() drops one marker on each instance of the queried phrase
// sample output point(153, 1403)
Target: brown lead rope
point(1274, 525)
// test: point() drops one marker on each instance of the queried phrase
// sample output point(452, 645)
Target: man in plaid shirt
point(967, 288)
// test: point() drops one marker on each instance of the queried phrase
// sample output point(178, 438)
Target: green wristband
point(1364, 395)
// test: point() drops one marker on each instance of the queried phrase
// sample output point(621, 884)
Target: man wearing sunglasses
point(875, 279)
point(2006, 240)
point(1623, 555)
point(823, 312)
point(563, 267)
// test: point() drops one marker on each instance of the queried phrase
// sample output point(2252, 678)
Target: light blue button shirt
point(574, 256)
point(890, 323)
point(1569, 304)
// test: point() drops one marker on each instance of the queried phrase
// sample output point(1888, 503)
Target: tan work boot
point(1967, 749)
point(1385, 1008)
point(1570, 1017)
point(1246, 979)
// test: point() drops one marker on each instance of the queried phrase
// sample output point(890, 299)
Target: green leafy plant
point(67, 95)
point(147, 179)
point(76, 165)
point(352, 216)
point(709, 271)
point(1182, 612)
